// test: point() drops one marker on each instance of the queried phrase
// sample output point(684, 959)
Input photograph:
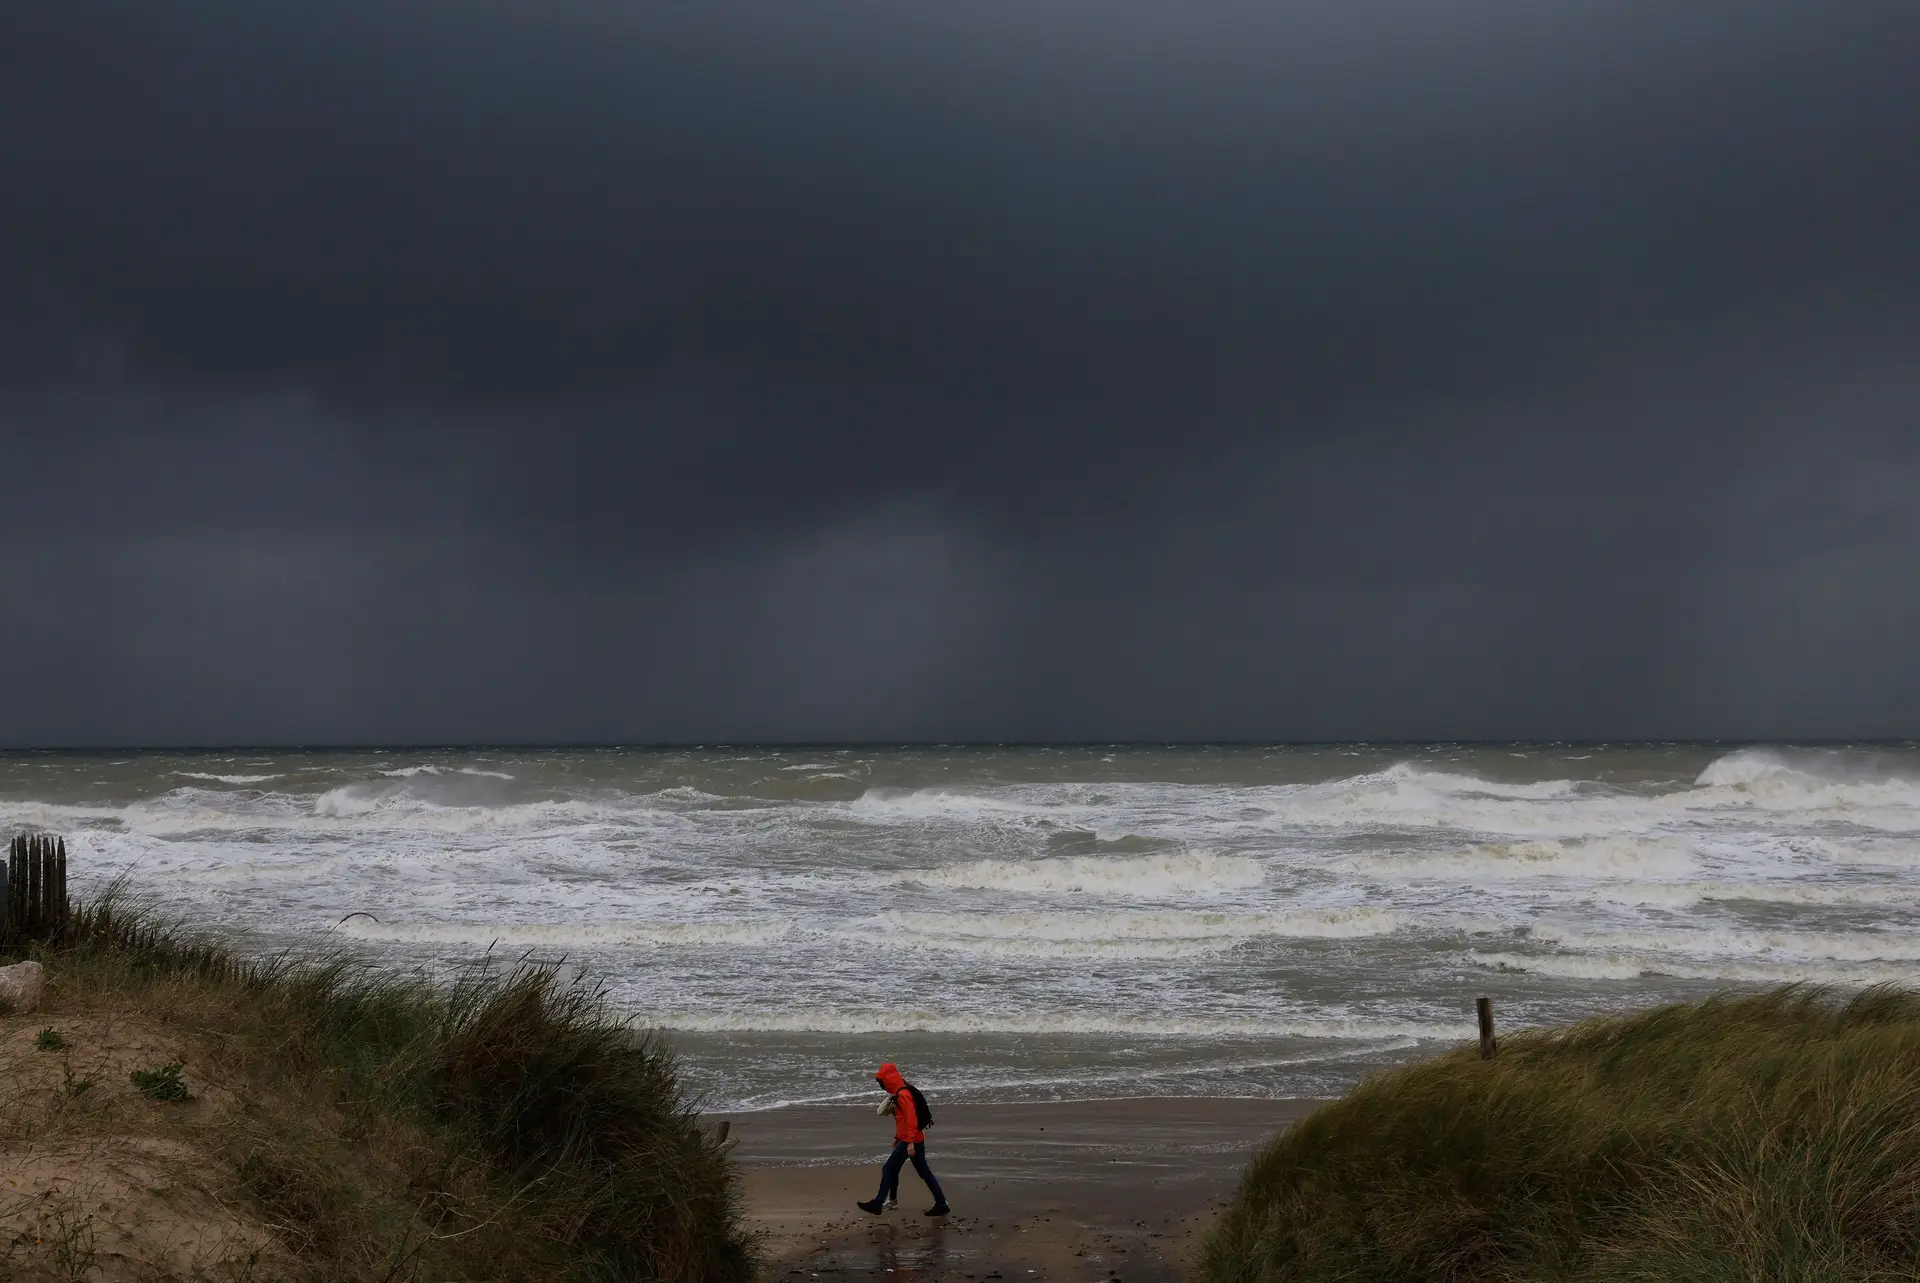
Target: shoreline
point(1075, 1190)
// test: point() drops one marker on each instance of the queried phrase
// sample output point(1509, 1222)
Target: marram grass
point(1763, 1138)
point(504, 1126)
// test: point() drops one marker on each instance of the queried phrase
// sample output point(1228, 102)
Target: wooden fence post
point(32, 923)
point(33, 890)
point(1485, 1008)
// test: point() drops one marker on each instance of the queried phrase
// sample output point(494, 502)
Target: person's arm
point(903, 1105)
point(903, 1117)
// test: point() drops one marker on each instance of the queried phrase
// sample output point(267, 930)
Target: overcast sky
point(384, 370)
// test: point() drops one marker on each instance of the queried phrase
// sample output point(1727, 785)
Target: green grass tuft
point(162, 1083)
point(1770, 1137)
point(49, 1039)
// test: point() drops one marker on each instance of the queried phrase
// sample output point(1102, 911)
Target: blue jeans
point(890, 1174)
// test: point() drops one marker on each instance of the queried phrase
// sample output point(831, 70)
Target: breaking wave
point(229, 779)
point(584, 935)
point(1142, 875)
point(1593, 858)
point(1044, 891)
point(1146, 934)
point(1731, 971)
point(1739, 943)
point(892, 1020)
point(408, 772)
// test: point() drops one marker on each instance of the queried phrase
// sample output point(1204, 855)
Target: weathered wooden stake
point(726, 1125)
point(1485, 1008)
point(32, 923)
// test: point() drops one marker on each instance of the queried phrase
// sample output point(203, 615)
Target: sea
point(1035, 923)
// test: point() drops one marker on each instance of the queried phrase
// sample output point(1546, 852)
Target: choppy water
point(1037, 922)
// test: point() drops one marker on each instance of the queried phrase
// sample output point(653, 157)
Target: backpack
point(922, 1112)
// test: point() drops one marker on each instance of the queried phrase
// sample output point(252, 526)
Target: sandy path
point(1082, 1190)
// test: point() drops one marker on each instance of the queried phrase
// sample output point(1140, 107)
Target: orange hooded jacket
point(906, 1120)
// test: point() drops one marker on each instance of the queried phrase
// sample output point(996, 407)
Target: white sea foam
point(1141, 875)
point(1738, 943)
point(1604, 859)
point(1424, 779)
point(1769, 780)
point(1563, 966)
point(897, 1020)
point(1627, 967)
point(1685, 894)
point(408, 772)
point(580, 935)
point(1146, 934)
point(229, 779)
point(1046, 892)
point(1132, 1081)
point(919, 805)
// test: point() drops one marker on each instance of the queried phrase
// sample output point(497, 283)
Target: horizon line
point(549, 746)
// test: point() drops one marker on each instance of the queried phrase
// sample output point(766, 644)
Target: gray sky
point(631, 371)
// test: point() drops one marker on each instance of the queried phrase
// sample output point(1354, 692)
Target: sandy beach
point(1096, 1190)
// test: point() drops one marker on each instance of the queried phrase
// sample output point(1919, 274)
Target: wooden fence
point(33, 891)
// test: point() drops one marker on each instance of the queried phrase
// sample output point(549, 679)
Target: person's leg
point(926, 1174)
point(890, 1172)
point(889, 1180)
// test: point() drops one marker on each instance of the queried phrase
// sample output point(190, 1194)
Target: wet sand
point(1079, 1190)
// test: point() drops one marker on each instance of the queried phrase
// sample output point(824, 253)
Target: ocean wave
point(1789, 789)
point(1627, 967)
point(1068, 1023)
point(893, 805)
point(581, 935)
point(1776, 781)
point(1685, 894)
point(1084, 1081)
point(1562, 966)
point(419, 787)
point(1739, 943)
point(1407, 775)
point(409, 772)
point(1591, 858)
point(228, 779)
point(1144, 934)
point(1109, 875)
point(1748, 767)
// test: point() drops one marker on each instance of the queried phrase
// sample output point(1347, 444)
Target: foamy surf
point(569, 935)
point(1120, 909)
point(1143, 875)
point(228, 779)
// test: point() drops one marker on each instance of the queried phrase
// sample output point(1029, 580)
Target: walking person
point(911, 1118)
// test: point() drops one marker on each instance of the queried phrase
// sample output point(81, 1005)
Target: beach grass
point(500, 1125)
point(1768, 1137)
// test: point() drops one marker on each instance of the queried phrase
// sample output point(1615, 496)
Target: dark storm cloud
point(642, 371)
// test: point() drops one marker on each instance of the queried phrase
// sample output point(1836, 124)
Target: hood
point(889, 1077)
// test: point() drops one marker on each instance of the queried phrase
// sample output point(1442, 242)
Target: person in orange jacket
point(909, 1141)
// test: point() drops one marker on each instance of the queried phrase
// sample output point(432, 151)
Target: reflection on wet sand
point(1088, 1191)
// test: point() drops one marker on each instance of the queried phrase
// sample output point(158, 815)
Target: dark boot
point(938, 1209)
point(872, 1205)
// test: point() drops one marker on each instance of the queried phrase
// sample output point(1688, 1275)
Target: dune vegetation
point(177, 1111)
point(1769, 1137)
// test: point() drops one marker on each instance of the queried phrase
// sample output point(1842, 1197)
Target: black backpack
point(922, 1112)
